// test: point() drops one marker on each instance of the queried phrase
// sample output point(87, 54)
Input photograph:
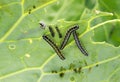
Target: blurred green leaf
point(110, 6)
point(26, 57)
point(112, 34)
point(90, 3)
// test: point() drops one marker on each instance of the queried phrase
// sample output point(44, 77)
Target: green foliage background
point(26, 57)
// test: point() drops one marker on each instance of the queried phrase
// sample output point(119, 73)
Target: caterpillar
point(51, 31)
point(78, 43)
point(54, 46)
point(58, 31)
point(64, 42)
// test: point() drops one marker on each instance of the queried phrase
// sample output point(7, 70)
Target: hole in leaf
point(27, 55)
point(12, 46)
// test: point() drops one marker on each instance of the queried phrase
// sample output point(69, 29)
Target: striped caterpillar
point(54, 46)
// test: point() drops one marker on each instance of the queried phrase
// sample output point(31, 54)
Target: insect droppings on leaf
point(54, 71)
point(97, 65)
point(62, 68)
point(61, 74)
point(29, 11)
point(72, 66)
point(79, 69)
point(75, 70)
point(34, 6)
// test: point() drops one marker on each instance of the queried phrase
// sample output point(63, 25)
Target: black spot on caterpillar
point(58, 31)
point(68, 35)
point(51, 31)
point(78, 43)
point(54, 46)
